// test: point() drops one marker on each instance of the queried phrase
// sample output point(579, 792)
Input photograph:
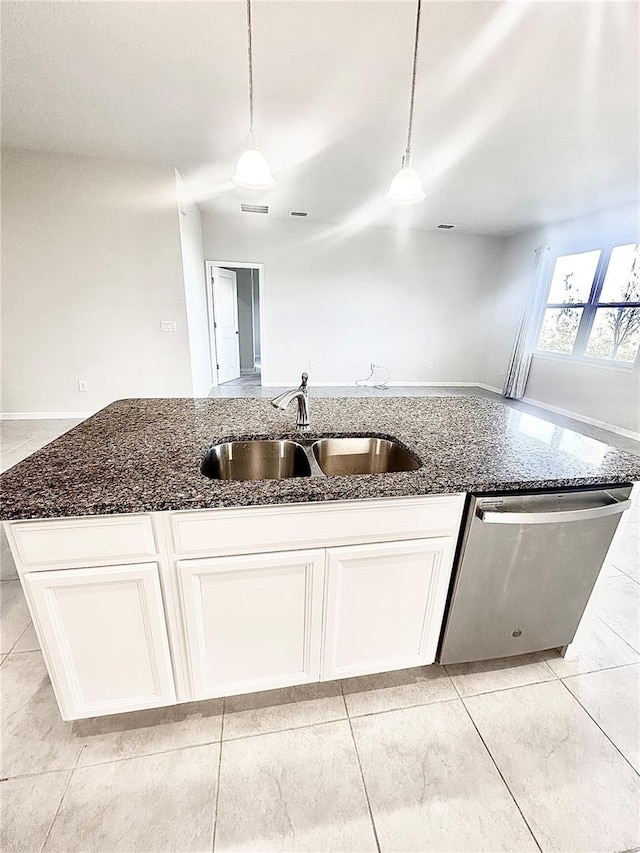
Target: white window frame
point(589, 308)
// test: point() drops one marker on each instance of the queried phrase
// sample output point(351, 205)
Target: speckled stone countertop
point(142, 455)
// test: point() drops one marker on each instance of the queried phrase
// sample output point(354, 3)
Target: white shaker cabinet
point(252, 622)
point(104, 638)
point(384, 605)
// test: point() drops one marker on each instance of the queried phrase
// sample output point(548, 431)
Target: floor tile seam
point(352, 716)
point(16, 446)
point(36, 773)
point(455, 686)
point(512, 687)
point(619, 636)
point(64, 794)
point(287, 729)
point(593, 719)
point(362, 779)
point(19, 638)
point(141, 754)
point(502, 777)
point(219, 777)
point(596, 671)
point(586, 672)
point(15, 651)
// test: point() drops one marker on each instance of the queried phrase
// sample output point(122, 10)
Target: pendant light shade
point(406, 187)
point(252, 169)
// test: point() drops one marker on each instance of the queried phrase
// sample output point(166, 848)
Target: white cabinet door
point(104, 636)
point(384, 605)
point(252, 622)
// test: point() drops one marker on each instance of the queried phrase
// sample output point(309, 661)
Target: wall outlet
point(430, 366)
point(168, 325)
point(83, 385)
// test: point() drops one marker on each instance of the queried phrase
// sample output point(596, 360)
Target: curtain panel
point(525, 343)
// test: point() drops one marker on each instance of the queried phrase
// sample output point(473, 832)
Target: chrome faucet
point(301, 394)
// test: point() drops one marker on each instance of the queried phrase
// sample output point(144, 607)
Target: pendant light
point(406, 187)
point(252, 170)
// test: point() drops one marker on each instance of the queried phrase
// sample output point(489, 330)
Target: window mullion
point(589, 311)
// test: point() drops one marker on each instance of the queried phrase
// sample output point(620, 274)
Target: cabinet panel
point(277, 528)
point(43, 544)
point(252, 622)
point(384, 605)
point(105, 640)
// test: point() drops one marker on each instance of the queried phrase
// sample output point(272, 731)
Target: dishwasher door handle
point(496, 517)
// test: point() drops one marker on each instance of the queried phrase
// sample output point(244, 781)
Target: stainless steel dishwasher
point(526, 568)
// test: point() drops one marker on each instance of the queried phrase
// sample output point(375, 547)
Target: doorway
point(234, 295)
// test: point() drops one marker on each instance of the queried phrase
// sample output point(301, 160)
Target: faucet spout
point(301, 394)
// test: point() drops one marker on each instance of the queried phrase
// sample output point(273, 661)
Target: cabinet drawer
point(51, 543)
point(316, 525)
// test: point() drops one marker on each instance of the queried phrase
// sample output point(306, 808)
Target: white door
point(225, 318)
point(384, 605)
point(105, 638)
point(252, 622)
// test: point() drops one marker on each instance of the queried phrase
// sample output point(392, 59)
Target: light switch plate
point(168, 325)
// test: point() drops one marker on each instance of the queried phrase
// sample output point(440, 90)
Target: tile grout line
point(616, 633)
point(215, 807)
point(135, 757)
point(64, 794)
point(573, 696)
point(364, 784)
point(504, 781)
point(573, 674)
point(503, 689)
point(21, 635)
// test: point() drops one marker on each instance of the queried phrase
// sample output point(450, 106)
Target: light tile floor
point(537, 752)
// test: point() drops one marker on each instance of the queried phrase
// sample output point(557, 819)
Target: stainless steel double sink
point(265, 459)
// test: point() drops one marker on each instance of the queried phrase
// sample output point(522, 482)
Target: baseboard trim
point(42, 416)
point(627, 433)
point(370, 384)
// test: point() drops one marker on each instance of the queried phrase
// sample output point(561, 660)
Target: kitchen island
point(151, 584)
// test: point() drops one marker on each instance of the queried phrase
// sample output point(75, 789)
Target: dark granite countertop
point(143, 455)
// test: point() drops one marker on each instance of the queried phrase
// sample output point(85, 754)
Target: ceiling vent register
point(254, 208)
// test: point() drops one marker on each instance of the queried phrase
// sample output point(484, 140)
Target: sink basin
point(344, 456)
point(255, 460)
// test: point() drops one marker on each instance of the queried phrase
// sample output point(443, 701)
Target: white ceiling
point(526, 112)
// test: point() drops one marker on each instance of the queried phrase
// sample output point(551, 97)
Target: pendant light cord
point(250, 54)
point(413, 81)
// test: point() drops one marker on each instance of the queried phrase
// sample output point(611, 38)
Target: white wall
point(91, 264)
point(343, 300)
point(194, 290)
point(603, 394)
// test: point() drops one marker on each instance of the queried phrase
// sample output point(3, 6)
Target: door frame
point(209, 265)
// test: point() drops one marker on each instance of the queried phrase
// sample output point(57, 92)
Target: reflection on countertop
point(142, 455)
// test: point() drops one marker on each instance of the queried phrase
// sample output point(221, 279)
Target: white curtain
point(520, 363)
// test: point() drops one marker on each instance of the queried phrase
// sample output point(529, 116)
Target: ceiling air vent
point(446, 227)
point(298, 213)
point(254, 208)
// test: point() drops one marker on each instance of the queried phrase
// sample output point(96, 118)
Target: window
point(593, 305)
